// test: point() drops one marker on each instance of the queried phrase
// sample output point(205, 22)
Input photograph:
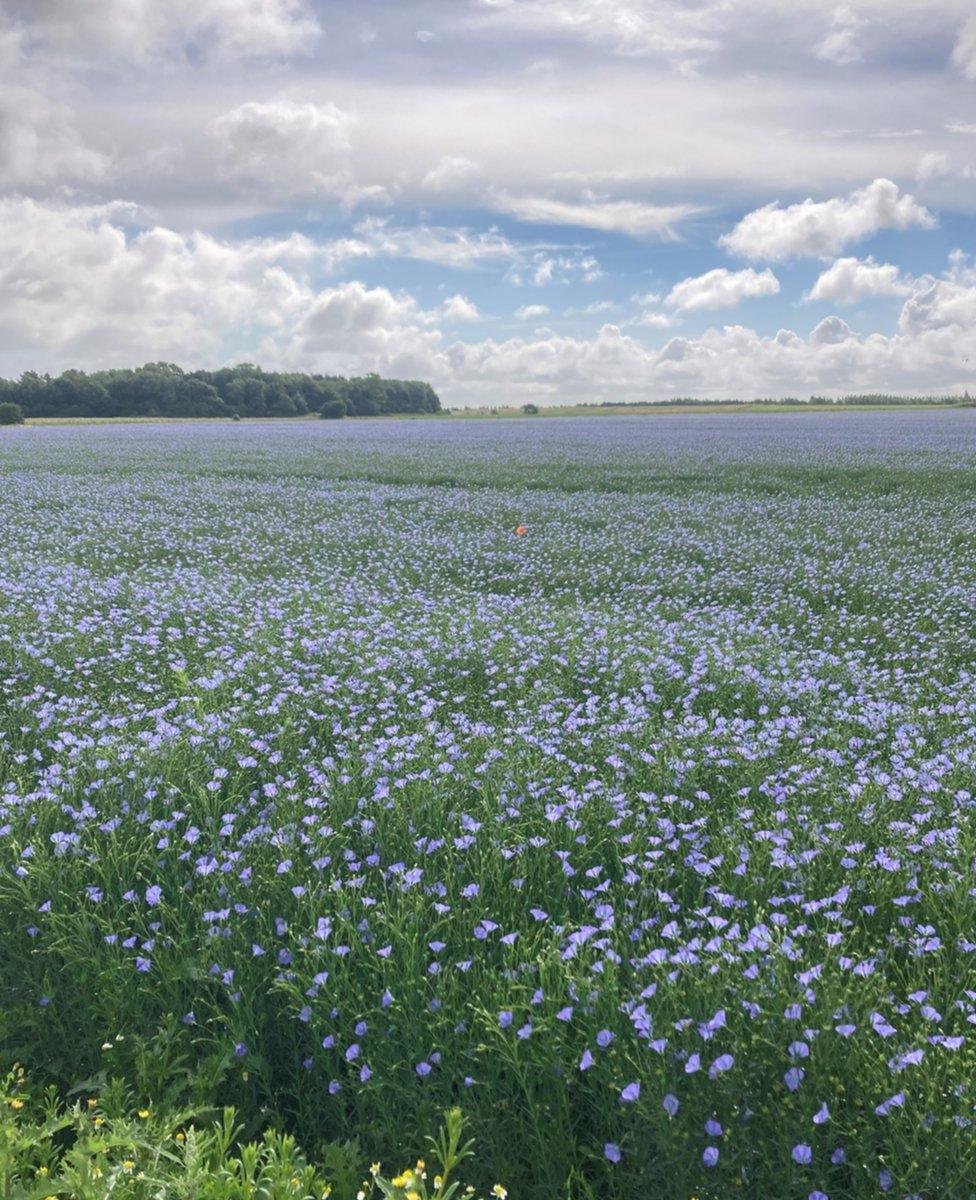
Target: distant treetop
point(165, 390)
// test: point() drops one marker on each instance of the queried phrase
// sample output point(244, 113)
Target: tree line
point(163, 389)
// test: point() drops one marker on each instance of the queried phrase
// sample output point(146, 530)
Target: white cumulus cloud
point(722, 288)
point(459, 308)
point(820, 229)
point(849, 280)
point(830, 332)
point(70, 276)
point(945, 304)
point(656, 320)
point(77, 281)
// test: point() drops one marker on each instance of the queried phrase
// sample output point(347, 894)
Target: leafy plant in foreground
point(98, 1147)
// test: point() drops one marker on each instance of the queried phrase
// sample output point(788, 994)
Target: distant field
point(646, 835)
point(627, 410)
point(515, 411)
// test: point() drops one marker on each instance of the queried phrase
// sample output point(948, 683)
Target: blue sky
point(516, 199)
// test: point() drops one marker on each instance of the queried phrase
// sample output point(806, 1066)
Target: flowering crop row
point(645, 834)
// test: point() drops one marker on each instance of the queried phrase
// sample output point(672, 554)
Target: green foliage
point(332, 410)
point(11, 413)
point(165, 390)
point(104, 1145)
point(530, 409)
point(449, 1153)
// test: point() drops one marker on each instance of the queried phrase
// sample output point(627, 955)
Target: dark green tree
point(333, 410)
point(162, 389)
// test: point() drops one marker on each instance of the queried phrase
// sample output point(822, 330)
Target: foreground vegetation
point(612, 781)
point(99, 1147)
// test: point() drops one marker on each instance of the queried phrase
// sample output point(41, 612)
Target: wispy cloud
point(631, 217)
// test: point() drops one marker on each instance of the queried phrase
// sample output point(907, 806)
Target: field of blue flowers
point(645, 837)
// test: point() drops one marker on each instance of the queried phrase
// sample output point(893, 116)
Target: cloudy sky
point(515, 199)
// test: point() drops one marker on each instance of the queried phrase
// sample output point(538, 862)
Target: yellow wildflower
point(17, 1105)
point(143, 1114)
point(374, 1169)
point(128, 1165)
point(499, 1191)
